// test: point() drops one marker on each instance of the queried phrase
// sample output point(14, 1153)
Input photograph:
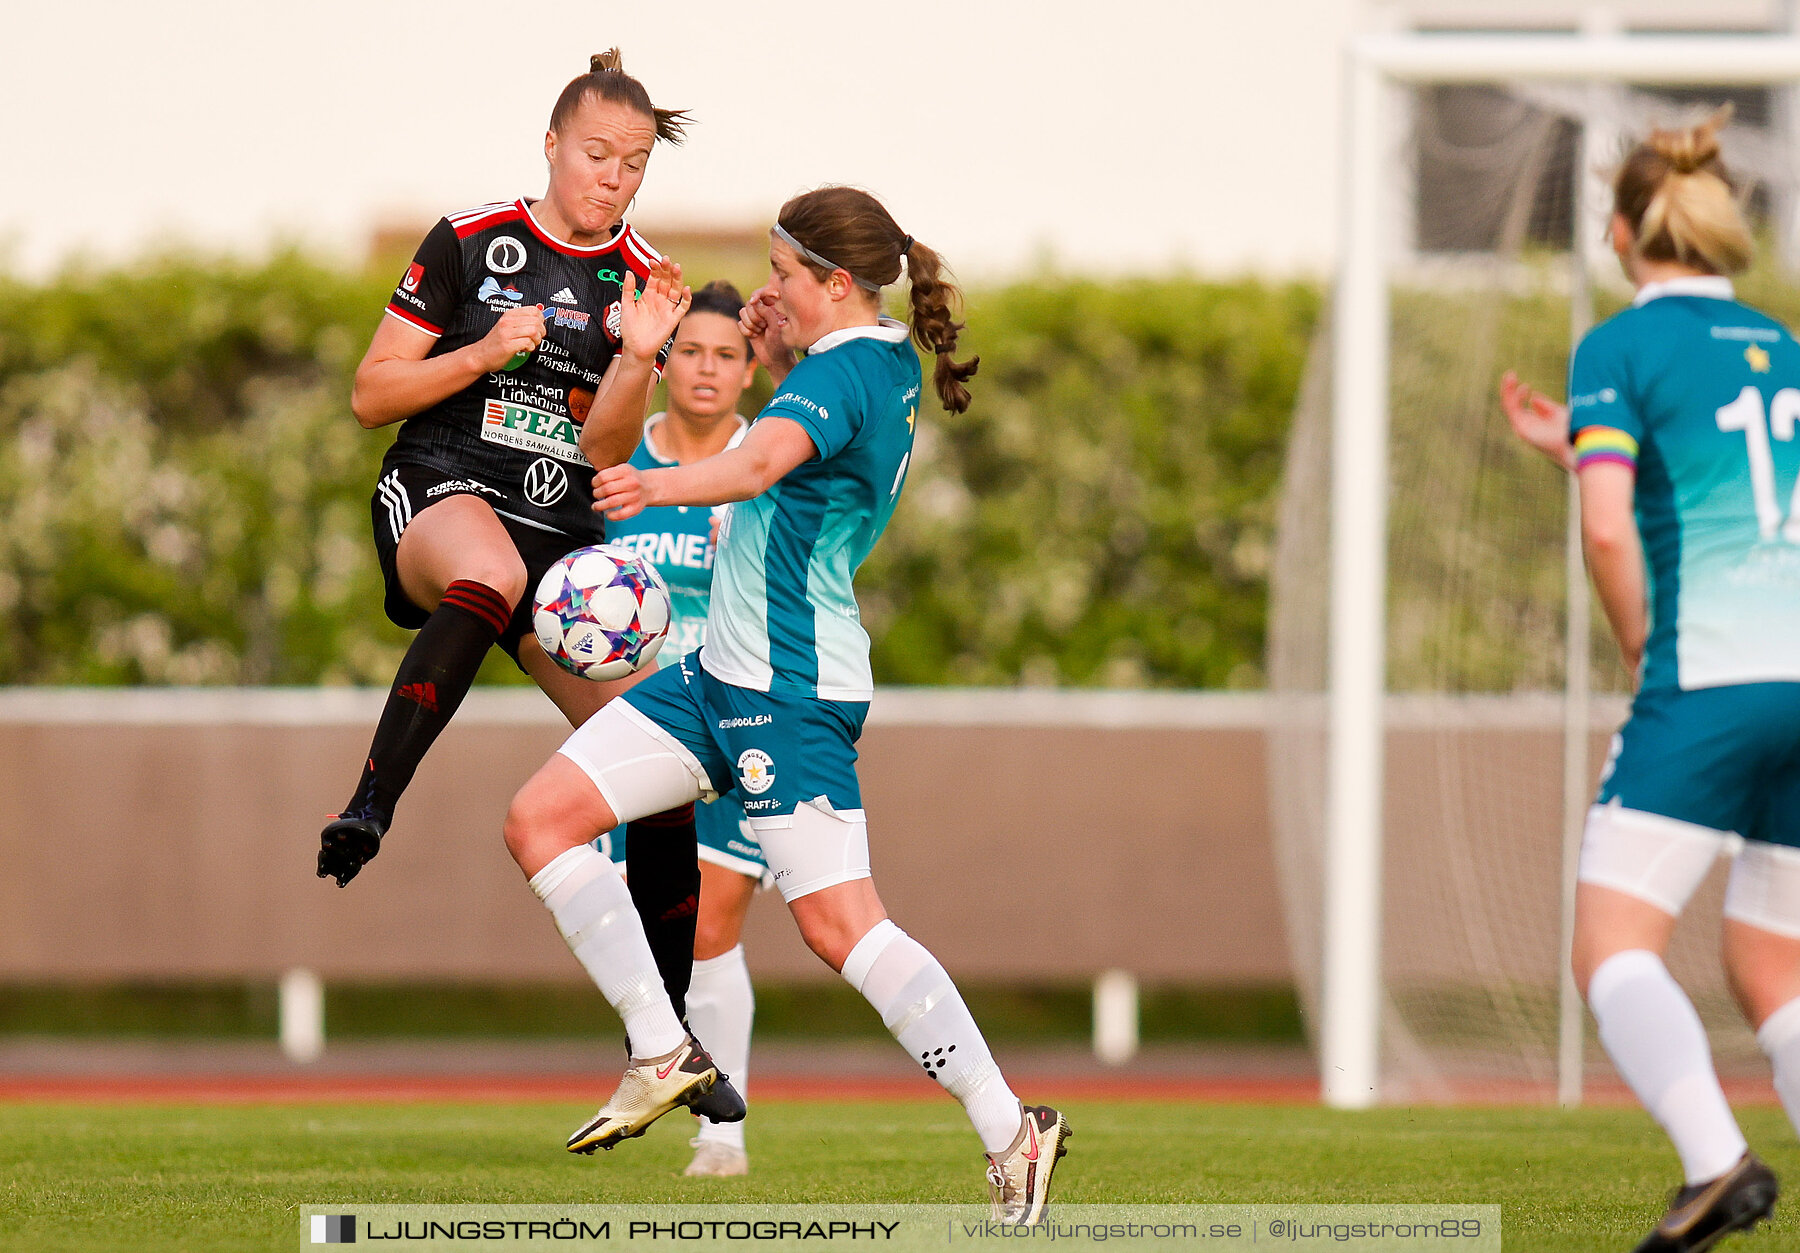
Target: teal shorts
point(773, 751)
point(1727, 758)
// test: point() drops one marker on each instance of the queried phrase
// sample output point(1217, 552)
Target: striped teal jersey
point(1702, 393)
point(677, 540)
point(784, 615)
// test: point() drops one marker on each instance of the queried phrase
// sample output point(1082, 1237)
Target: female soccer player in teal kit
point(773, 704)
point(709, 366)
point(1681, 424)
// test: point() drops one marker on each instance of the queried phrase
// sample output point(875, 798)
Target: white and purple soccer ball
point(601, 612)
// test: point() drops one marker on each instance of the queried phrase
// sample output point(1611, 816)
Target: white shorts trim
point(1656, 859)
point(1764, 889)
point(814, 848)
point(739, 865)
point(639, 768)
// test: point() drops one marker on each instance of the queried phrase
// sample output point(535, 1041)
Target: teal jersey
point(1703, 393)
point(677, 540)
point(784, 615)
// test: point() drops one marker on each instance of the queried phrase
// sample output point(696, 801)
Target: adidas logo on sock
point(565, 296)
point(422, 694)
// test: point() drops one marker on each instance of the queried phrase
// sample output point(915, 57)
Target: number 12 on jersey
point(1746, 414)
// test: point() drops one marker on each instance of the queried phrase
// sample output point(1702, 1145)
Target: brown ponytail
point(857, 234)
point(934, 299)
point(606, 78)
point(1678, 198)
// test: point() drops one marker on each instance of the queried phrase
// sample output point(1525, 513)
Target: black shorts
point(406, 488)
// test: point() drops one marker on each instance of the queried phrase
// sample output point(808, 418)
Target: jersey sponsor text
point(519, 426)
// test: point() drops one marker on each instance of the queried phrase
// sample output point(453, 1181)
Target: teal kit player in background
point(1681, 424)
point(710, 364)
point(773, 704)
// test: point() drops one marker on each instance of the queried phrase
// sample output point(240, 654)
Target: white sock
point(1656, 1042)
point(587, 896)
point(1779, 1037)
point(924, 1011)
point(720, 1006)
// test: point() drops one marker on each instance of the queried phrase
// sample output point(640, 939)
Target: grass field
point(88, 1176)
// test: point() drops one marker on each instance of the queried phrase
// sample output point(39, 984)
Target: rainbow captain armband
point(1604, 443)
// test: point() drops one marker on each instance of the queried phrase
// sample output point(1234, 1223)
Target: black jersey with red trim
point(518, 429)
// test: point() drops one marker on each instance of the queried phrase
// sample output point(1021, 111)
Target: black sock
point(662, 868)
point(433, 678)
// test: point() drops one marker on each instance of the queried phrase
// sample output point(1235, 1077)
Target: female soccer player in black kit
point(519, 350)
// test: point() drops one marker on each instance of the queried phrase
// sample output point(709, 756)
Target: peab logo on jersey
point(756, 771)
point(506, 255)
point(531, 430)
point(545, 482)
point(415, 274)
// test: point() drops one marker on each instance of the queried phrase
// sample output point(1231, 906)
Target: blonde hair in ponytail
point(1675, 192)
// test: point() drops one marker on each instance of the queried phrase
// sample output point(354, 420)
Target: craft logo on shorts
point(545, 482)
point(756, 771)
point(506, 255)
point(334, 1228)
point(415, 274)
point(531, 430)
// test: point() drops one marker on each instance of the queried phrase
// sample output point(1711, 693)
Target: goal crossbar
point(1668, 59)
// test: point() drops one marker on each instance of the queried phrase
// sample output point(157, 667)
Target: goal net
point(1494, 203)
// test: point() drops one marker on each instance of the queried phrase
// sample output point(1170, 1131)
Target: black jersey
point(518, 429)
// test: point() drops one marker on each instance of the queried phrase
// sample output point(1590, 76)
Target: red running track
point(294, 1090)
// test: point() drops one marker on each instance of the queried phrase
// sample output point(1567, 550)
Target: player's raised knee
point(555, 810)
point(502, 571)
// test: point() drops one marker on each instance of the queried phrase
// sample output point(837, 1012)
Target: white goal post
point(1349, 1039)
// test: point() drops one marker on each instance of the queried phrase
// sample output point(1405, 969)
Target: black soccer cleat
point(1702, 1214)
point(722, 1104)
point(346, 845)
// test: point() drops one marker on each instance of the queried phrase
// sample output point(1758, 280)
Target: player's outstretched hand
point(759, 325)
point(619, 492)
point(649, 318)
point(517, 331)
point(1537, 420)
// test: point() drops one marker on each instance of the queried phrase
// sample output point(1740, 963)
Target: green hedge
point(184, 494)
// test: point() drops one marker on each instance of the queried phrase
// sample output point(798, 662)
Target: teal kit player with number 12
point(1681, 427)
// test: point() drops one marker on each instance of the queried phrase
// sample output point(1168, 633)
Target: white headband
point(816, 259)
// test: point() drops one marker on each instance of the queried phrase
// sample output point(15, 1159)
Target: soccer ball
point(601, 612)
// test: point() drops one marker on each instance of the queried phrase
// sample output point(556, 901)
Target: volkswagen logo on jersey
point(545, 482)
point(506, 255)
point(756, 771)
